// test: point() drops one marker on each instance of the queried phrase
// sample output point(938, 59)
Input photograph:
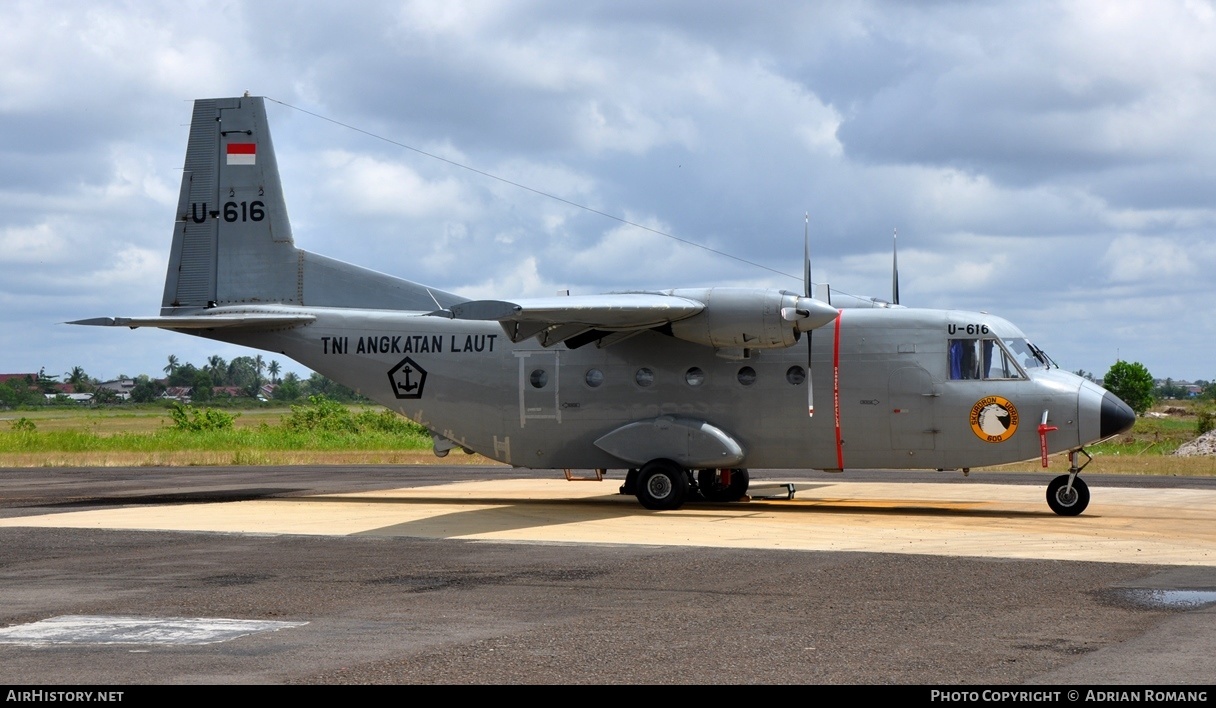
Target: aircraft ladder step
point(776, 490)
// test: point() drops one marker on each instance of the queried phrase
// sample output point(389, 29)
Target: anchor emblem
point(407, 379)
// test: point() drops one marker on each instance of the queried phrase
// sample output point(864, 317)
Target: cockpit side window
point(979, 359)
point(964, 359)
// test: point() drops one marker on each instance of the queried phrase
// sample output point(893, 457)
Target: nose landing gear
point(1068, 495)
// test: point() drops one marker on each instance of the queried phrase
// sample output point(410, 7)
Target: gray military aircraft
point(685, 389)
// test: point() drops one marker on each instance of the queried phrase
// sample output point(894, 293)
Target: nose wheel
point(1068, 494)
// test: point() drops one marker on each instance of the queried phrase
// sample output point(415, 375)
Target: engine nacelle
point(749, 318)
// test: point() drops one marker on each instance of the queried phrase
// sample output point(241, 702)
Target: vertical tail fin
point(232, 241)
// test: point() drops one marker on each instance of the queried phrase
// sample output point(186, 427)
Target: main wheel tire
point(1067, 502)
point(662, 485)
point(715, 488)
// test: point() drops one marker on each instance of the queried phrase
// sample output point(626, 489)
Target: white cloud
point(1065, 151)
point(387, 189)
point(1132, 258)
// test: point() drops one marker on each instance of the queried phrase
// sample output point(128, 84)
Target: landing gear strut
point(1068, 495)
point(727, 485)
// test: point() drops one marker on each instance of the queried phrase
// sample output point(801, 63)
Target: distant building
point(178, 393)
point(27, 378)
point(75, 397)
point(120, 387)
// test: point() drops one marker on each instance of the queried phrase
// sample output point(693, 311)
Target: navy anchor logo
point(407, 379)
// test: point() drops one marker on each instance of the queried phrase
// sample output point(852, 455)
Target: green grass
point(312, 432)
point(170, 439)
point(1148, 448)
point(325, 432)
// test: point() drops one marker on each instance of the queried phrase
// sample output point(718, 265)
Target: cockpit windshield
point(1027, 354)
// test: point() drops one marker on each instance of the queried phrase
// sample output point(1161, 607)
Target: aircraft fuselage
point(883, 390)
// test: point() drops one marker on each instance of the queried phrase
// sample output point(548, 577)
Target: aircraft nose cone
point(1116, 416)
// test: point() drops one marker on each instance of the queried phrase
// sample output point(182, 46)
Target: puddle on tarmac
point(1172, 599)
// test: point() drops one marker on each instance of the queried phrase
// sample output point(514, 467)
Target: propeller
point(808, 314)
point(895, 267)
point(806, 292)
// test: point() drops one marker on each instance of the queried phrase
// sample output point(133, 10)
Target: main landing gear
point(1068, 494)
point(665, 485)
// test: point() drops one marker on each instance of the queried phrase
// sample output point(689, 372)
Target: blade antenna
point(895, 267)
point(806, 290)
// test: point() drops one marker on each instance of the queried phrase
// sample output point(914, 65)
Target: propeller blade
point(806, 293)
point(895, 268)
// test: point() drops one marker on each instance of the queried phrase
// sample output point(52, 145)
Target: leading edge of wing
point(556, 319)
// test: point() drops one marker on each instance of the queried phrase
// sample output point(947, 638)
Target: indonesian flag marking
point(242, 153)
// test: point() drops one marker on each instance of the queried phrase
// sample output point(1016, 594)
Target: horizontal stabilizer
point(247, 321)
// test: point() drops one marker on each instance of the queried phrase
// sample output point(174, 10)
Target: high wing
point(717, 317)
point(578, 319)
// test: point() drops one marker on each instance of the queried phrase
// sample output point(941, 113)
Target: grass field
point(274, 435)
point(149, 436)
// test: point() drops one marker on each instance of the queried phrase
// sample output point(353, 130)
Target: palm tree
point(258, 365)
point(78, 378)
point(273, 368)
point(217, 367)
point(172, 365)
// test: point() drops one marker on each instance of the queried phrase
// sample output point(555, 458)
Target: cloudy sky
point(1053, 163)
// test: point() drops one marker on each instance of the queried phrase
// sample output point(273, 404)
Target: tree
point(20, 392)
point(289, 389)
point(273, 367)
point(320, 385)
point(243, 372)
point(201, 386)
point(79, 380)
point(171, 367)
point(106, 396)
point(1131, 382)
point(146, 390)
point(46, 382)
point(1169, 389)
point(218, 368)
point(183, 375)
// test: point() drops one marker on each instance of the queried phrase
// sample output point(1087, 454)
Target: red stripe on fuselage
point(836, 391)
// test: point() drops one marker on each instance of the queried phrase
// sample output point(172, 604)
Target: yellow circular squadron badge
point(994, 419)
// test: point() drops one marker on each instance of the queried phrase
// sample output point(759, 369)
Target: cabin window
point(539, 378)
point(594, 377)
point(796, 375)
point(979, 359)
point(747, 376)
point(694, 376)
point(644, 377)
